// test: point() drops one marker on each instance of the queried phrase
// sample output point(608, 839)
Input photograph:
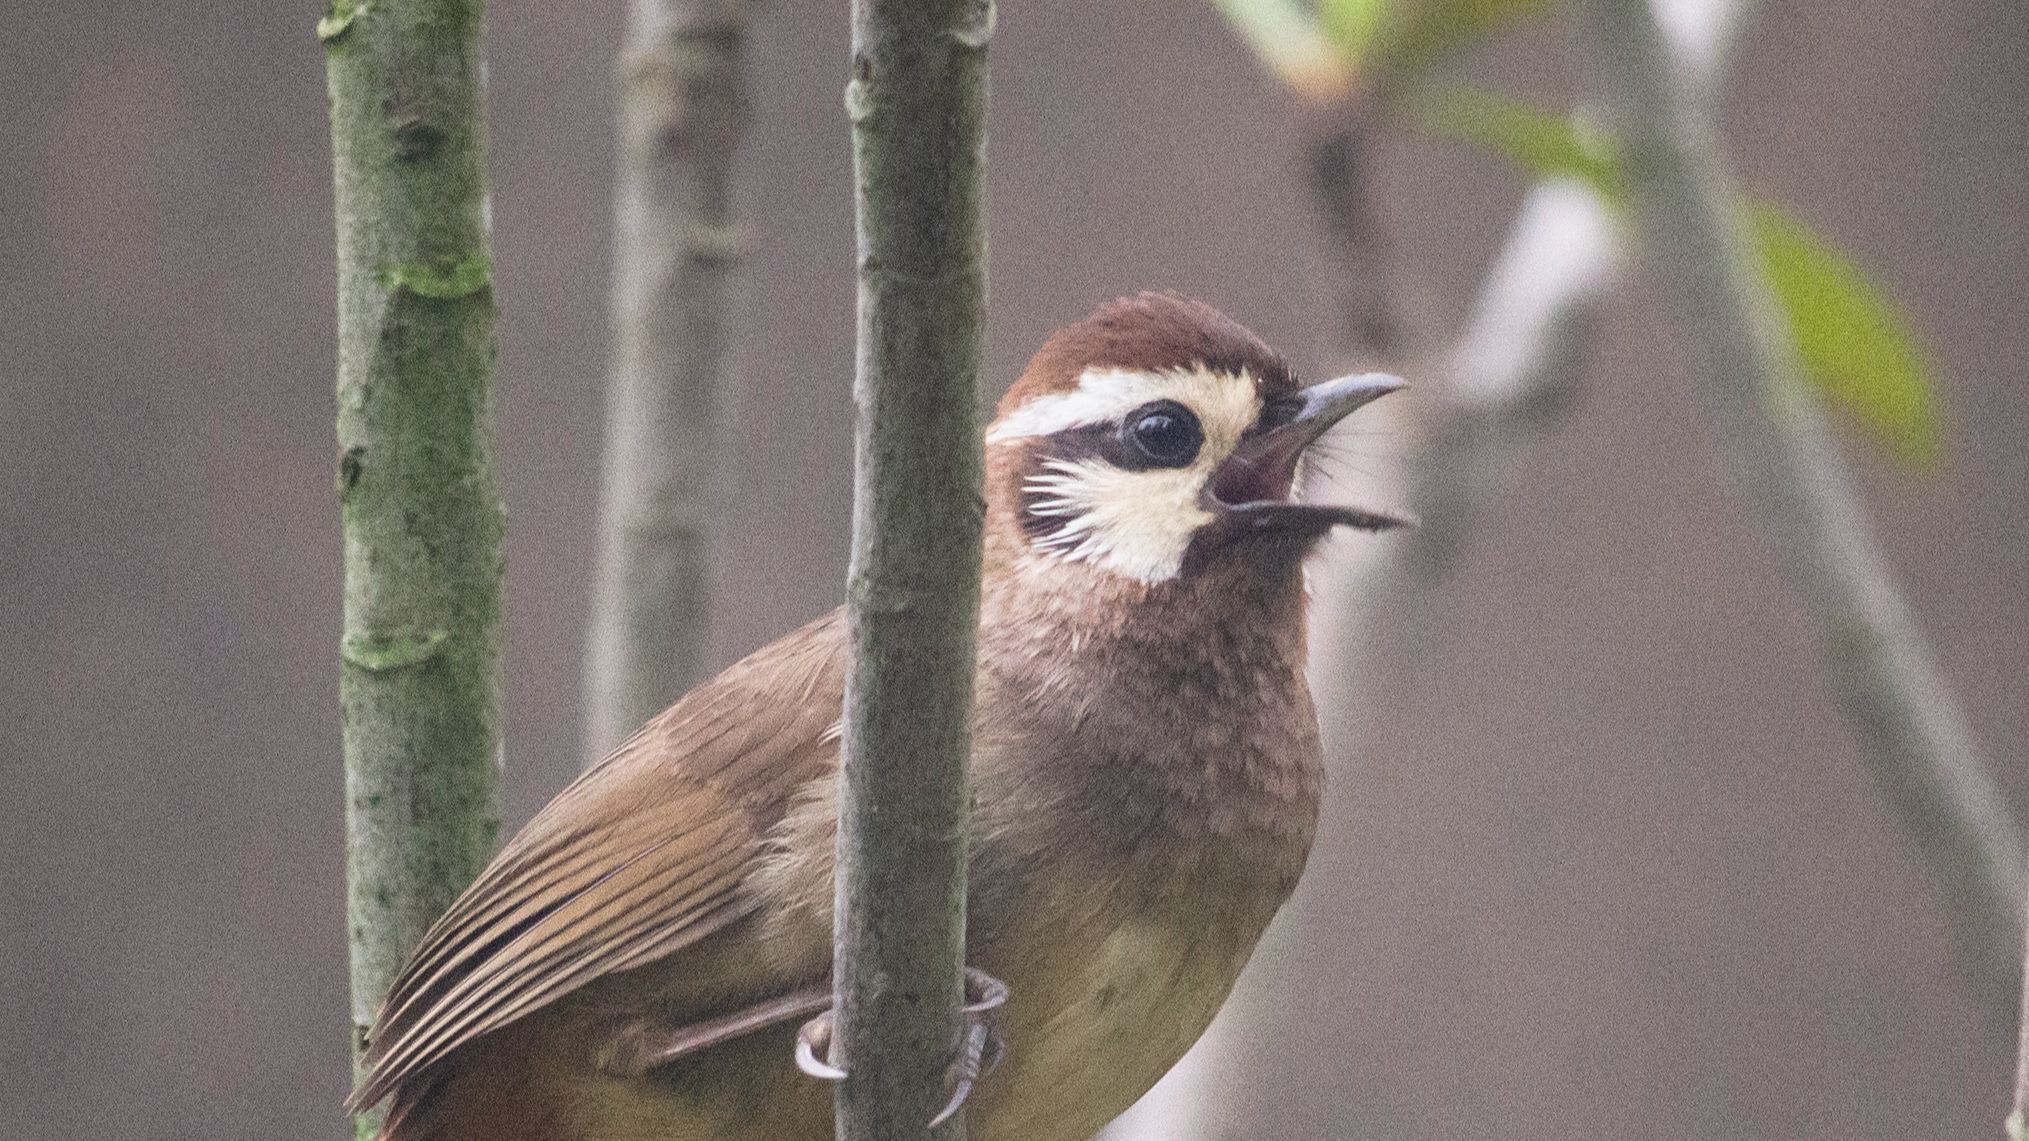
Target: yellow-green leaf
point(1855, 344)
point(1413, 34)
point(1352, 25)
point(1543, 143)
point(1319, 47)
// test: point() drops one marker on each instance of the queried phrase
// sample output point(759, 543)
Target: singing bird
point(635, 965)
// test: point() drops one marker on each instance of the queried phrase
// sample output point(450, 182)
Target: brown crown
point(1150, 332)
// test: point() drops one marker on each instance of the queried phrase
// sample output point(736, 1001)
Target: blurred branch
point(2018, 1116)
point(917, 99)
point(1700, 35)
point(1514, 364)
point(1512, 368)
point(682, 111)
point(1911, 726)
point(419, 491)
point(1287, 37)
point(1340, 154)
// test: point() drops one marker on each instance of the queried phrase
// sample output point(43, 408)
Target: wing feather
point(642, 856)
point(555, 952)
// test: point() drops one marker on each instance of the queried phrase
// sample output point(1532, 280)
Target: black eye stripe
point(1117, 443)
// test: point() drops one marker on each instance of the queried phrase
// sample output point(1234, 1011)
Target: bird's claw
point(813, 1041)
point(981, 1048)
point(979, 1051)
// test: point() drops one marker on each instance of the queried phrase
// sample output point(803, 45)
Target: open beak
point(1256, 480)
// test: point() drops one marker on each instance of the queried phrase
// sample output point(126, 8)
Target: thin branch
point(917, 100)
point(682, 112)
point(418, 491)
point(1911, 725)
point(1340, 154)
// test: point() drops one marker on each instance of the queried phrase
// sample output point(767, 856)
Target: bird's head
point(1158, 440)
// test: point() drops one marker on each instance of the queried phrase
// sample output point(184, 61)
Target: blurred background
point(1604, 859)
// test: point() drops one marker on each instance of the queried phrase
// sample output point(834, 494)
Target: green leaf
point(1545, 144)
point(1413, 34)
point(1352, 25)
point(1319, 47)
point(1855, 344)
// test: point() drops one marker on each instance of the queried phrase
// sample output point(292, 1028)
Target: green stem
point(1911, 726)
point(917, 101)
point(419, 496)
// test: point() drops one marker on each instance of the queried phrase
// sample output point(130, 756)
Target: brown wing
point(643, 855)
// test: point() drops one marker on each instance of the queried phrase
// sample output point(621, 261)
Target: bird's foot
point(980, 1046)
point(813, 1042)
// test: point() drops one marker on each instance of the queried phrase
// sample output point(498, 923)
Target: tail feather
point(489, 1091)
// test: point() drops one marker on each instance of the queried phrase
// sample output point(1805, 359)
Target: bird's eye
point(1166, 432)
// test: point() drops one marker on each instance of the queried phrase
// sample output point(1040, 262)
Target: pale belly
point(1090, 1026)
point(1111, 1026)
point(1095, 1017)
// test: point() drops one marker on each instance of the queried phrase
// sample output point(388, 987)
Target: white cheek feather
point(1133, 523)
point(1136, 523)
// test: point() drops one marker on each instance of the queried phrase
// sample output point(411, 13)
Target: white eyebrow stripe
point(1104, 395)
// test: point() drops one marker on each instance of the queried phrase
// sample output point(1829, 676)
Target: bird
point(637, 962)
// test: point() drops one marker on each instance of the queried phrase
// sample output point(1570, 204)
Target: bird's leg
point(980, 1046)
point(641, 1045)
